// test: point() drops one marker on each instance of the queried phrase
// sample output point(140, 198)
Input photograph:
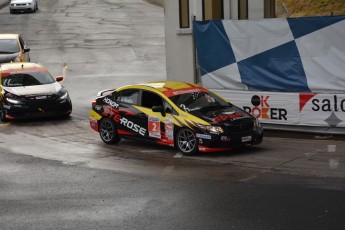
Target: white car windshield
point(27, 79)
point(9, 46)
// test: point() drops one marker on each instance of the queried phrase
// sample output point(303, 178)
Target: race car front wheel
point(108, 131)
point(186, 142)
point(2, 114)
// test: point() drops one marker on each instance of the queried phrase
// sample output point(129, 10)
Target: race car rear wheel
point(186, 142)
point(108, 131)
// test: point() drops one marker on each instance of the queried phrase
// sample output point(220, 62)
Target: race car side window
point(149, 99)
point(129, 96)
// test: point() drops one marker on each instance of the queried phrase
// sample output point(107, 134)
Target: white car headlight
point(64, 96)
point(257, 125)
point(14, 101)
point(211, 128)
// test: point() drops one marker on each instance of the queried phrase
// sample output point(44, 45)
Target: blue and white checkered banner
point(281, 55)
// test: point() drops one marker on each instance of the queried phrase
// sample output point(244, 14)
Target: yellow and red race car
point(185, 115)
point(13, 49)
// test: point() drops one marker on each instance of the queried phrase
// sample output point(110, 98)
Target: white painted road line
point(332, 148)
point(178, 155)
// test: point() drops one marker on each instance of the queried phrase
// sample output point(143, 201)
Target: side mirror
point(59, 78)
point(159, 109)
point(26, 50)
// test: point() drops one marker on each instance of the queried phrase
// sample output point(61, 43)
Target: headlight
point(13, 101)
point(64, 96)
point(11, 95)
point(257, 125)
point(211, 128)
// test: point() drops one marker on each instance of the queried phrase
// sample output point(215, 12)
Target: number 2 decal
point(154, 127)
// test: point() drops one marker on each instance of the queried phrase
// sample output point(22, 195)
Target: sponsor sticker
point(169, 128)
point(110, 102)
point(203, 136)
point(154, 127)
point(131, 125)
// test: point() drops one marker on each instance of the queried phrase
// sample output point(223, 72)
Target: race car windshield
point(9, 46)
point(27, 79)
point(198, 101)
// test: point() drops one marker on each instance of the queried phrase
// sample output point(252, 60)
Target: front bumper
point(223, 142)
point(38, 110)
point(22, 7)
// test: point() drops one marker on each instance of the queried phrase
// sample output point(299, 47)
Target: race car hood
point(48, 89)
point(4, 58)
point(222, 115)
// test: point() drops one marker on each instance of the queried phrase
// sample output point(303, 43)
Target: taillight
point(93, 103)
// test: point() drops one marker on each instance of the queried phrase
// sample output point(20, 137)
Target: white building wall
point(256, 9)
point(179, 42)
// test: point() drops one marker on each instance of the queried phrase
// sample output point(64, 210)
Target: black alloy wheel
point(108, 131)
point(186, 142)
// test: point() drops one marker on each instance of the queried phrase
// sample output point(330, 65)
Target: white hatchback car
point(23, 6)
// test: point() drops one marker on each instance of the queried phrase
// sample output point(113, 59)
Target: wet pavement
point(58, 174)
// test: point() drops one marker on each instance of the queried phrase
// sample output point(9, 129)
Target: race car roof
point(20, 67)
point(9, 36)
point(172, 88)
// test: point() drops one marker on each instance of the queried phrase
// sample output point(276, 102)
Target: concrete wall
point(179, 45)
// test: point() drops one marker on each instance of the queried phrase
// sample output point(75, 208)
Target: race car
point(179, 114)
point(13, 49)
point(27, 90)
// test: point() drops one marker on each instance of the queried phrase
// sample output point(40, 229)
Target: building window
point(242, 9)
point(269, 8)
point(184, 14)
point(212, 9)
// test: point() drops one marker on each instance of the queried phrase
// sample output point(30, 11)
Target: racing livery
point(27, 90)
point(183, 115)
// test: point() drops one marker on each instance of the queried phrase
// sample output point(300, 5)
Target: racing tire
point(2, 114)
point(108, 131)
point(186, 142)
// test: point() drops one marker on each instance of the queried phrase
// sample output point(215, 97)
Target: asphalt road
point(57, 174)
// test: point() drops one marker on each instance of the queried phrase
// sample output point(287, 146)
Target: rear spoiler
point(105, 92)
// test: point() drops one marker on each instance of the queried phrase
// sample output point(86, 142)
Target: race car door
point(159, 124)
